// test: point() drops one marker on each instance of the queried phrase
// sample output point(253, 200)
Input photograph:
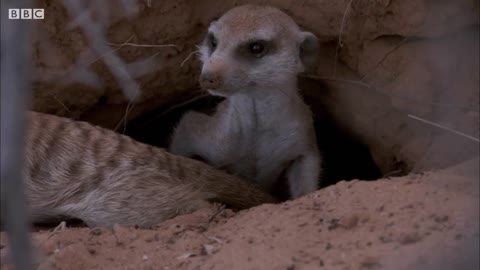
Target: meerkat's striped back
point(78, 170)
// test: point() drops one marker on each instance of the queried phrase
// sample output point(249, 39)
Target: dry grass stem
point(375, 89)
point(445, 128)
point(339, 43)
point(188, 58)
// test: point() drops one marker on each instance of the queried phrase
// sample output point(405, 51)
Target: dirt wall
point(381, 61)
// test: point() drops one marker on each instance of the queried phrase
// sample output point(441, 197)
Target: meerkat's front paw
point(303, 175)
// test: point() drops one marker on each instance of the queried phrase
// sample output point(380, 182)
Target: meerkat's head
point(251, 48)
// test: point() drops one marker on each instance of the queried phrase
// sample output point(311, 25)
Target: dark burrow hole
point(54, 222)
point(344, 157)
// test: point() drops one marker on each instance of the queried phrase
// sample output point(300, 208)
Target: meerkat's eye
point(258, 48)
point(211, 41)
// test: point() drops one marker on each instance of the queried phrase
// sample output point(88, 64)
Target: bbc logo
point(26, 13)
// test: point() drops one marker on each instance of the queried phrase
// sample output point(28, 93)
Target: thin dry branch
point(111, 51)
point(339, 43)
point(445, 128)
point(375, 89)
point(143, 45)
point(220, 209)
point(195, 98)
point(61, 103)
point(357, 82)
point(399, 44)
point(124, 119)
point(60, 228)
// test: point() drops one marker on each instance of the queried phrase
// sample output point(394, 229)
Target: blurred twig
point(96, 36)
point(15, 88)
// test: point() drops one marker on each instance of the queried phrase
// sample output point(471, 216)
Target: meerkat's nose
point(209, 80)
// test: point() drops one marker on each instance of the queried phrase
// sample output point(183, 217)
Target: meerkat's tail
point(231, 190)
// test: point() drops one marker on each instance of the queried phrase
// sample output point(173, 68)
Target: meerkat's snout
point(210, 80)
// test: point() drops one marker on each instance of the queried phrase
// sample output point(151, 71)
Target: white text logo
point(26, 13)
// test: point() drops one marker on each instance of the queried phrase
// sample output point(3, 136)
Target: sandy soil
point(427, 220)
point(422, 221)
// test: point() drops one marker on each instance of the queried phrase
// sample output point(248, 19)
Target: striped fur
point(82, 171)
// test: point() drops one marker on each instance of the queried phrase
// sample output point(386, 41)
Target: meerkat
point(252, 56)
point(77, 170)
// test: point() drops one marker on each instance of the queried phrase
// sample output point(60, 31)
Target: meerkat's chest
point(256, 137)
point(259, 142)
point(262, 152)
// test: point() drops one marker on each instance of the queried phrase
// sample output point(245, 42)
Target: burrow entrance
point(344, 156)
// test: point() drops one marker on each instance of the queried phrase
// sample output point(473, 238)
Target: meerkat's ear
point(309, 48)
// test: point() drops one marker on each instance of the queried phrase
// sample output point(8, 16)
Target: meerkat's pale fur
point(252, 56)
point(74, 169)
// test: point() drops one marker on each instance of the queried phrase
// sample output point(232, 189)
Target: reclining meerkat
point(252, 56)
point(74, 169)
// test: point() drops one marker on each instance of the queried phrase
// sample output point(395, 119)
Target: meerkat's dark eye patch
point(255, 48)
point(211, 42)
point(258, 48)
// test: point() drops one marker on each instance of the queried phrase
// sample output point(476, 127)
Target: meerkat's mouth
point(218, 92)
